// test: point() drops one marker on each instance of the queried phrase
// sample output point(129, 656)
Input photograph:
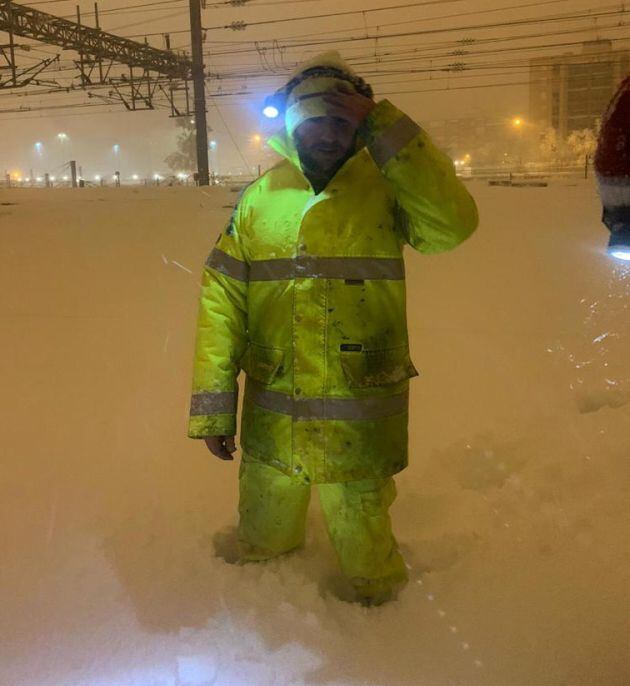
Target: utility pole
point(73, 173)
point(200, 93)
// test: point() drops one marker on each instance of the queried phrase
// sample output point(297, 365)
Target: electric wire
point(394, 56)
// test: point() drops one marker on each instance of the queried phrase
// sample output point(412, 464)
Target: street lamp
point(518, 123)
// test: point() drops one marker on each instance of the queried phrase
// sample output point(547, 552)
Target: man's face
point(325, 141)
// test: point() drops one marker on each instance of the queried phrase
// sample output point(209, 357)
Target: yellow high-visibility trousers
point(273, 508)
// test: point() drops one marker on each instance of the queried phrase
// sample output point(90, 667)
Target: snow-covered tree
point(184, 159)
point(582, 143)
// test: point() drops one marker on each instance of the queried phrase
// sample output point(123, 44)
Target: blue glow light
point(271, 112)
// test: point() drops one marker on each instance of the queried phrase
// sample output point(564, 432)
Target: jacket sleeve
point(436, 211)
point(612, 159)
point(221, 336)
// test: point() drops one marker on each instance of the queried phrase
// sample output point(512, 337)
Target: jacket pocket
point(262, 363)
point(366, 368)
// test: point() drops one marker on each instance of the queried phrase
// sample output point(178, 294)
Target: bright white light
point(53, 178)
point(134, 177)
point(62, 136)
point(27, 180)
point(157, 177)
point(38, 147)
point(97, 178)
point(64, 178)
point(213, 144)
point(39, 179)
point(116, 148)
point(271, 112)
point(192, 121)
point(621, 255)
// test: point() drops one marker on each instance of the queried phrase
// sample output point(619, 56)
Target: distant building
point(570, 92)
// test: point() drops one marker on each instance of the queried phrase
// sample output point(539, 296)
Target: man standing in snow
point(612, 166)
point(305, 292)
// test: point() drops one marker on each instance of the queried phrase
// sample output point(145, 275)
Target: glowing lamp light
point(134, 177)
point(618, 220)
point(274, 105)
point(271, 112)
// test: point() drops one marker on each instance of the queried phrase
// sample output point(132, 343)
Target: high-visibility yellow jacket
point(306, 294)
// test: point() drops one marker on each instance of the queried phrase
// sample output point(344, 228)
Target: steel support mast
point(199, 93)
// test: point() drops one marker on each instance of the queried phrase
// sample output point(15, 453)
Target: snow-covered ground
point(513, 515)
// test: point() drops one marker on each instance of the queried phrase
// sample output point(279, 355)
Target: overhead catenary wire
point(539, 3)
point(491, 10)
point(438, 73)
point(457, 44)
point(381, 66)
point(472, 27)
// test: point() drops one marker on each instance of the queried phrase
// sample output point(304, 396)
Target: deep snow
point(513, 515)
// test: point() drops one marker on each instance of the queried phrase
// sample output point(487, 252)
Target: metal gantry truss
point(149, 69)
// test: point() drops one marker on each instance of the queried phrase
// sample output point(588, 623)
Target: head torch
point(275, 105)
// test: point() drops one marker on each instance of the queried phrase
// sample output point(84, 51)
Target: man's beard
point(313, 168)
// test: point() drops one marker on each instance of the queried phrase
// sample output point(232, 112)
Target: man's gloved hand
point(221, 446)
point(351, 106)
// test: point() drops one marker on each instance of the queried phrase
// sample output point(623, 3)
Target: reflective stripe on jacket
point(306, 294)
